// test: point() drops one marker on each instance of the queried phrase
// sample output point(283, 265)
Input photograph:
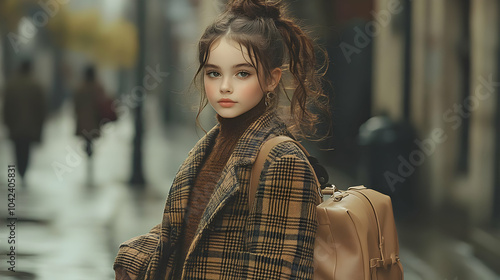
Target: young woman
point(209, 230)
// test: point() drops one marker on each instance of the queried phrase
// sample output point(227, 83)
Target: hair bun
point(255, 9)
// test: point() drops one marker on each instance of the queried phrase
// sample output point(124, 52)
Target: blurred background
point(97, 114)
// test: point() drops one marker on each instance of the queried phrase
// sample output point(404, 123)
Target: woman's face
point(230, 81)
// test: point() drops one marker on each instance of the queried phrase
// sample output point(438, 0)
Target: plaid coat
point(271, 239)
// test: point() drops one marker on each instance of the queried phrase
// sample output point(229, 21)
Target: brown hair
point(273, 40)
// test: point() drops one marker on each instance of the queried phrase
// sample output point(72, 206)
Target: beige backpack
point(356, 237)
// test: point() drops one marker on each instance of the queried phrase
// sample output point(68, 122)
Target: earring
point(269, 98)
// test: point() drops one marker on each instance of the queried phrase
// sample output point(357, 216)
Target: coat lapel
point(184, 180)
point(238, 168)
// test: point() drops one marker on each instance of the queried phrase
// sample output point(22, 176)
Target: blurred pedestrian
point(87, 100)
point(24, 113)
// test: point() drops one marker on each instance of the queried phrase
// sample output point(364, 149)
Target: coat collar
point(244, 154)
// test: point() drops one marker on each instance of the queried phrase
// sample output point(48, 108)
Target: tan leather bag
point(356, 237)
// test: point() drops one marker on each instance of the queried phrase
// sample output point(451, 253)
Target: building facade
point(441, 74)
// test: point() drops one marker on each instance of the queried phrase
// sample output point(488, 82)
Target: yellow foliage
point(11, 11)
point(113, 44)
point(83, 30)
point(118, 44)
point(59, 27)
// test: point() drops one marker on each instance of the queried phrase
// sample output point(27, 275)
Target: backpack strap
point(258, 165)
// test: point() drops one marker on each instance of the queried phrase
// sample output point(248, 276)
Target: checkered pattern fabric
point(271, 239)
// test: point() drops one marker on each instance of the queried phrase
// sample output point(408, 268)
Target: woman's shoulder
point(286, 149)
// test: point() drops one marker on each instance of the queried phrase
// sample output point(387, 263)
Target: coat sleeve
point(134, 254)
point(283, 218)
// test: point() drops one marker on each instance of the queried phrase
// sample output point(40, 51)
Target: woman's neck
point(234, 127)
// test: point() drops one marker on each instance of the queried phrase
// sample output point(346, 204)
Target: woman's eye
point(243, 74)
point(213, 74)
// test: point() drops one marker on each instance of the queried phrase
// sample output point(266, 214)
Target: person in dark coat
point(24, 113)
point(86, 102)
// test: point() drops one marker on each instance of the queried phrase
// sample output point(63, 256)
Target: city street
point(68, 229)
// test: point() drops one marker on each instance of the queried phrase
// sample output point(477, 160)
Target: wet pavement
point(67, 229)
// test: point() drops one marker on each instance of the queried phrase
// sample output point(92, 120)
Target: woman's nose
point(226, 86)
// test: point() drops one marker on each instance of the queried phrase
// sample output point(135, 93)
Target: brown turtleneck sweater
point(230, 132)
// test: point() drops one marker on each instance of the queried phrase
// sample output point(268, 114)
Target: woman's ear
point(275, 79)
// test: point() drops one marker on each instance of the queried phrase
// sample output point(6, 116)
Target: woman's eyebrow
point(243, 65)
point(235, 66)
point(211, 66)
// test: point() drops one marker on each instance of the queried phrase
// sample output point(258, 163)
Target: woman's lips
point(226, 103)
